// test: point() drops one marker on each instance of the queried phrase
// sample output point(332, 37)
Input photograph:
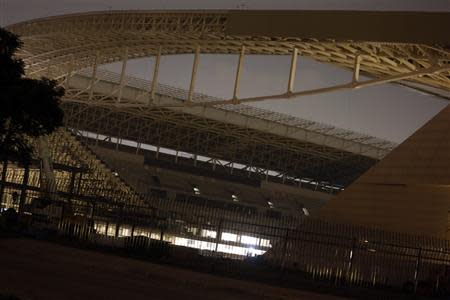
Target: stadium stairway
point(73, 164)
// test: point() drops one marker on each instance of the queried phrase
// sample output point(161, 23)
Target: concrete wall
point(408, 191)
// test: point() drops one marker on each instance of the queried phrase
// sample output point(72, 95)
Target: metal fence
point(90, 204)
point(191, 229)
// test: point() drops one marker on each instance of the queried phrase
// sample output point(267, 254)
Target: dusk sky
point(389, 111)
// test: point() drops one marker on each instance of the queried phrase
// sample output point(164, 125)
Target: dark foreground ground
point(32, 270)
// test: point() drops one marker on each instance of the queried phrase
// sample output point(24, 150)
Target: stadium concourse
point(142, 159)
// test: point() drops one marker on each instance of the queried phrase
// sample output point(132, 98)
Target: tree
point(29, 108)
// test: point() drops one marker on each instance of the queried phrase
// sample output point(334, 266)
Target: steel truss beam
point(136, 98)
point(184, 132)
point(60, 46)
point(51, 43)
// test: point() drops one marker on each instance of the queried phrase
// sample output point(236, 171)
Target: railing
point(270, 242)
point(183, 227)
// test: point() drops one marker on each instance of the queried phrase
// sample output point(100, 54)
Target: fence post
point(119, 220)
point(283, 261)
point(91, 223)
point(23, 187)
point(219, 233)
point(417, 269)
point(350, 262)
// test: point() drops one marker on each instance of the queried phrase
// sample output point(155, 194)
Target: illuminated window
point(155, 235)
point(209, 233)
point(229, 237)
point(100, 227)
point(124, 231)
point(141, 232)
point(264, 243)
point(209, 246)
point(249, 240)
point(111, 230)
point(239, 250)
point(169, 238)
point(192, 230)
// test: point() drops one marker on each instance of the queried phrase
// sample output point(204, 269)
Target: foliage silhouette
point(29, 107)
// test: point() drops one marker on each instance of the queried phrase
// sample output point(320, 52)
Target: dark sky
point(387, 111)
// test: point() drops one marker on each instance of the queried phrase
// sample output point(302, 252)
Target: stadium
point(144, 165)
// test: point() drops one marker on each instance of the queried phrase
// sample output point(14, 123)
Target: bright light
point(239, 250)
point(209, 233)
point(305, 211)
point(270, 204)
point(111, 230)
point(249, 240)
point(196, 190)
point(115, 174)
point(202, 245)
point(123, 232)
point(234, 197)
point(230, 237)
point(264, 243)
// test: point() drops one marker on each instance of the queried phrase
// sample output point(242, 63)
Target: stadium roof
point(112, 104)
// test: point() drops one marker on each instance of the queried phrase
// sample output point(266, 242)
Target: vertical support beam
point(155, 76)
point(73, 177)
point(119, 222)
point(133, 228)
point(292, 72)
point(94, 75)
point(122, 74)
point(116, 233)
point(80, 181)
point(238, 75)
point(284, 253)
point(3, 179)
point(117, 143)
point(106, 228)
point(356, 68)
point(218, 234)
point(23, 187)
point(193, 75)
point(47, 166)
point(138, 146)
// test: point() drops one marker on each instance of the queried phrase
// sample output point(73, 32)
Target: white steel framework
point(115, 105)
